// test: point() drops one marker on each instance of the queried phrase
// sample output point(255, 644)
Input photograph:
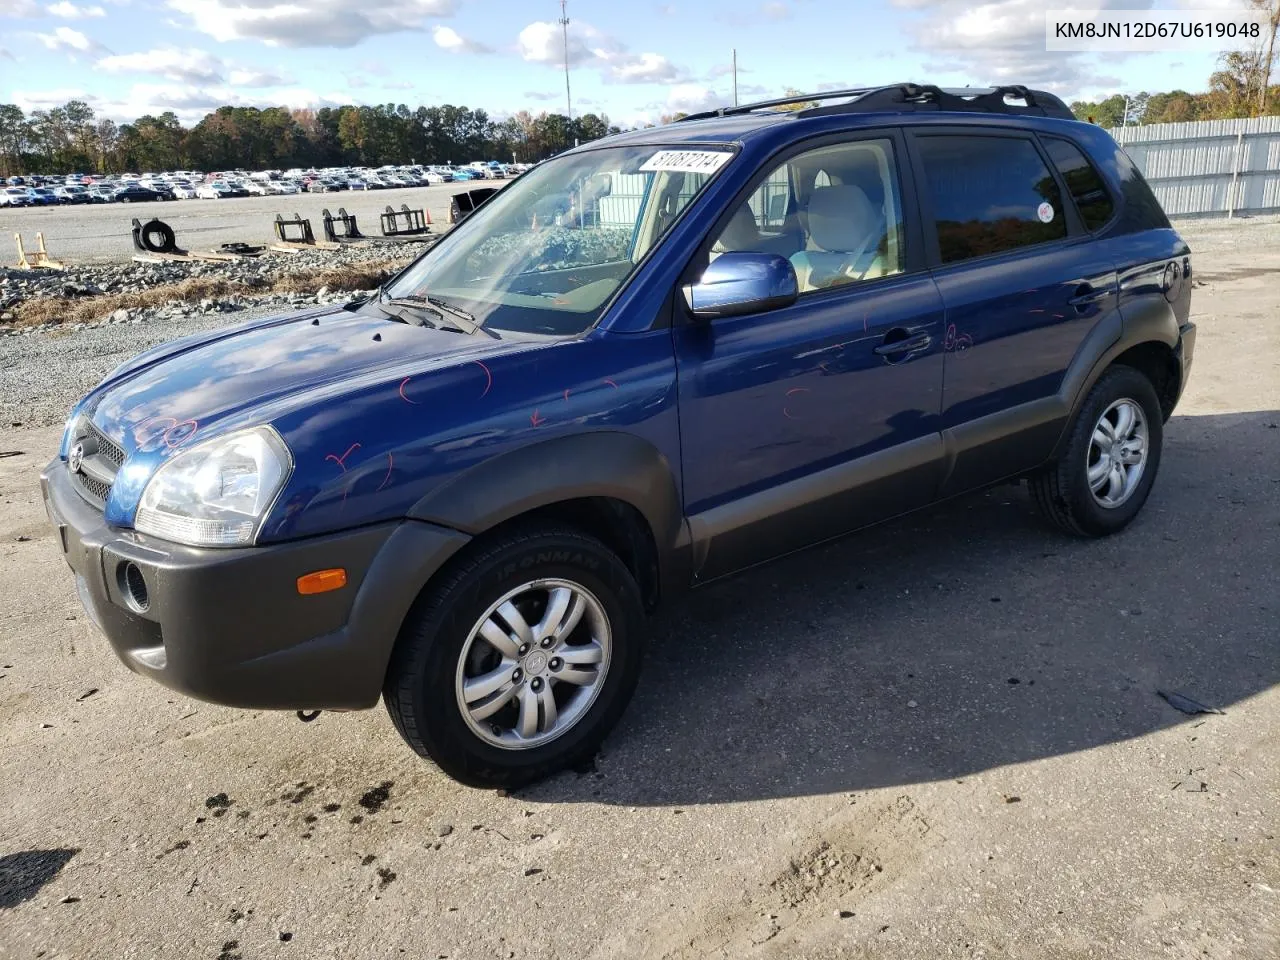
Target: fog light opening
point(134, 587)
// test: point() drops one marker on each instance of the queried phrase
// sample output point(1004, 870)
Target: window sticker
point(1045, 212)
point(687, 161)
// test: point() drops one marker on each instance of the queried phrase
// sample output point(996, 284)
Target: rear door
point(1023, 285)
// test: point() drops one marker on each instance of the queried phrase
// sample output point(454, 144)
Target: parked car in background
point(182, 190)
point(282, 188)
point(256, 188)
point(14, 197)
point(136, 193)
point(326, 185)
point(102, 193)
point(41, 196)
point(218, 190)
point(71, 194)
point(356, 184)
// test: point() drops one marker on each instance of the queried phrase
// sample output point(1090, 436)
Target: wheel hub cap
point(1117, 453)
point(533, 664)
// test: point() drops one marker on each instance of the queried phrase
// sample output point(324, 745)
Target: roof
point(740, 123)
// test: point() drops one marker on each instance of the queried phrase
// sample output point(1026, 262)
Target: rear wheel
point(1110, 461)
point(521, 660)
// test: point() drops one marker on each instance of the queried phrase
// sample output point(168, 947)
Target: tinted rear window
point(1083, 181)
point(990, 194)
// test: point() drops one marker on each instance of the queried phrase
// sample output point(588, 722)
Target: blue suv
point(648, 363)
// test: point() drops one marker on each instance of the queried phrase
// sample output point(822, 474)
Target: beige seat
point(845, 231)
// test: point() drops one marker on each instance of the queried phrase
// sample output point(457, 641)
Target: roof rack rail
point(903, 97)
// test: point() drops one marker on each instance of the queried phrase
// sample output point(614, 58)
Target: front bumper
point(229, 626)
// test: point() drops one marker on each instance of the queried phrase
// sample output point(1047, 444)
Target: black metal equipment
point(911, 97)
point(303, 227)
point(415, 222)
point(342, 227)
point(464, 204)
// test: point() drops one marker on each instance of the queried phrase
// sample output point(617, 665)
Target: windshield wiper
point(422, 310)
point(458, 318)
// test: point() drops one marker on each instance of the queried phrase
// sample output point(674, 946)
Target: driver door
point(803, 422)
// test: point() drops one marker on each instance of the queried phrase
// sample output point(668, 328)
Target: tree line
point(71, 138)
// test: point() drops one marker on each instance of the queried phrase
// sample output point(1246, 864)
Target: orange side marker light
point(322, 581)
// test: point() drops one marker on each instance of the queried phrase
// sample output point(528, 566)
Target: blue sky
point(633, 61)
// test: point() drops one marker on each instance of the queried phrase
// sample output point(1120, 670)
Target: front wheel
point(520, 661)
point(1110, 461)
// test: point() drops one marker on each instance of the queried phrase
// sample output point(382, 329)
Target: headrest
point(741, 232)
point(841, 218)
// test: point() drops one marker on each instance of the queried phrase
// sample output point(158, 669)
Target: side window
point(1083, 181)
point(834, 212)
point(990, 194)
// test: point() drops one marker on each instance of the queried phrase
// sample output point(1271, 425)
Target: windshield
point(546, 254)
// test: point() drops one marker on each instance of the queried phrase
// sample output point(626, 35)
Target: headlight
point(217, 493)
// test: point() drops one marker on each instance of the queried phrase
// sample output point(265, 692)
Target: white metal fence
point(1209, 168)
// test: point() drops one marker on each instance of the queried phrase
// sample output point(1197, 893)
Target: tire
point(1062, 490)
point(440, 645)
point(158, 237)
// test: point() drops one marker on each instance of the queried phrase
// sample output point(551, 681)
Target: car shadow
point(23, 874)
point(959, 639)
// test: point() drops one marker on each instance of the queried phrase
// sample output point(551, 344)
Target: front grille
point(106, 446)
point(94, 490)
point(95, 459)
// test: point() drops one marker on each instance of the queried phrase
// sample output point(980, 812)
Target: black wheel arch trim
point(1142, 322)
point(599, 464)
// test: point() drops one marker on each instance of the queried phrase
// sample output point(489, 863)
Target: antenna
point(735, 76)
point(564, 28)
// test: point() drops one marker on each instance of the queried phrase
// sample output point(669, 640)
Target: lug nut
point(536, 684)
point(556, 663)
point(515, 677)
point(524, 648)
point(547, 641)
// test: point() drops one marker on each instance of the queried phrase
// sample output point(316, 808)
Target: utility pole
point(735, 76)
point(564, 28)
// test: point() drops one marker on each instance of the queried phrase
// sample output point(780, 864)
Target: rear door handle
point(1087, 293)
point(920, 341)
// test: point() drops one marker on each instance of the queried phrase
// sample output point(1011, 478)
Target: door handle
point(1086, 294)
point(891, 348)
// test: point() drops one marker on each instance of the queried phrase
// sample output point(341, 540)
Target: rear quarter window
point(989, 195)
point(1083, 182)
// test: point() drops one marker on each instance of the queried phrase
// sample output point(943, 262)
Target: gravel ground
point(938, 739)
point(101, 231)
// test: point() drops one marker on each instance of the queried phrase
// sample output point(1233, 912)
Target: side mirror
point(741, 282)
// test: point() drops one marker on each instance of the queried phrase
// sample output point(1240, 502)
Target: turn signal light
point(322, 581)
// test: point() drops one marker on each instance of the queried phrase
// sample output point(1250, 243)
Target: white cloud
point(182, 66)
point(318, 23)
point(189, 102)
point(543, 42)
point(71, 41)
point(447, 38)
point(69, 11)
point(249, 77)
point(16, 9)
point(1001, 42)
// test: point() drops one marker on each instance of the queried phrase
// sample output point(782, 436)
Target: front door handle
point(912, 344)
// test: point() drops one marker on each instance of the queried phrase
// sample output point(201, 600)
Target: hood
point(212, 383)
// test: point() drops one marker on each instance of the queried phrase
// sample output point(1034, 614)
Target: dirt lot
point(940, 738)
point(101, 231)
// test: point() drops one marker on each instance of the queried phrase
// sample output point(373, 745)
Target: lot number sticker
point(687, 161)
point(1045, 212)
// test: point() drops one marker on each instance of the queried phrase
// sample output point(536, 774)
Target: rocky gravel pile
point(264, 271)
